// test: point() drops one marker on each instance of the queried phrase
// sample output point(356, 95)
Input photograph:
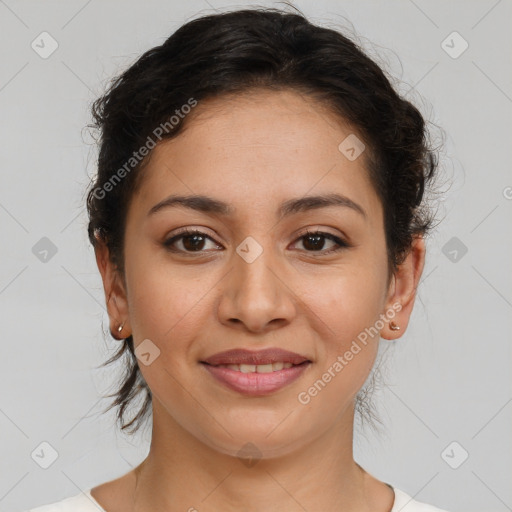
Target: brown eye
point(191, 241)
point(315, 242)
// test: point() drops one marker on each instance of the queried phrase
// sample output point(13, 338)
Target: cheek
point(164, 300)
point(167, 307)
point(344, 311)
point(344, 303)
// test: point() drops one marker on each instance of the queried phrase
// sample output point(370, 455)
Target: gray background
point(448, 377)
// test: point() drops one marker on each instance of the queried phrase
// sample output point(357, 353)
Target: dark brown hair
point(231, 53)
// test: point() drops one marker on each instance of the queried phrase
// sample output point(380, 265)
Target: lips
point(260, 357)
point(256, 373)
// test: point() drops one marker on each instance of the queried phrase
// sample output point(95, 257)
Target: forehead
point(256, 149)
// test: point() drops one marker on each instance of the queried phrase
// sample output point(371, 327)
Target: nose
point(255, 296)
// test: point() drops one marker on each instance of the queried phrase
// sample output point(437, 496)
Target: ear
point(115, 293)
point(402, 288)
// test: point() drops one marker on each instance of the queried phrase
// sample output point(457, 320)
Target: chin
point(258, 439)
point(254, 448)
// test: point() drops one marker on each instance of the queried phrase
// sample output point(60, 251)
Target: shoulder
point(82, 502)
point(405, 503)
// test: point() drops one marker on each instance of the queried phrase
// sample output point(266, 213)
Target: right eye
point(192, 241)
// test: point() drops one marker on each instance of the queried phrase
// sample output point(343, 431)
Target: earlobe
point(115, 295)
point(405, 284)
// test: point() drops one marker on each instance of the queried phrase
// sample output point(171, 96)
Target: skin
point(253, 153)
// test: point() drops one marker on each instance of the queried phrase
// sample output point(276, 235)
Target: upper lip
point(265, 356)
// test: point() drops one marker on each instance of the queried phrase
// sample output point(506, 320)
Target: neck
point(183, 473)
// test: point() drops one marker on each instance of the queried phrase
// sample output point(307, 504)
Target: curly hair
point(232, 53)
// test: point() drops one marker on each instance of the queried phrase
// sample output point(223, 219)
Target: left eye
point(316, 240)
point(194, 241)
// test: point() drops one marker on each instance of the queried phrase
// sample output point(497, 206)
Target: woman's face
point(253, 279)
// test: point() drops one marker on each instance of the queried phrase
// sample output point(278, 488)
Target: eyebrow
point(210, 205)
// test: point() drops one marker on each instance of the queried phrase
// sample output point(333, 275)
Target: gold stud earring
point(393, 326)
point(120, 328)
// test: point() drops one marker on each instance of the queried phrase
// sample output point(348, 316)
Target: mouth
point(263, 357)
point(256, 373)
point(257, 368)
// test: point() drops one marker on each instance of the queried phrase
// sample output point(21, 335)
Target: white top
point(84, 502)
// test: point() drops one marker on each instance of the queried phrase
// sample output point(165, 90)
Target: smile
point(256, 368)
point(250, 380)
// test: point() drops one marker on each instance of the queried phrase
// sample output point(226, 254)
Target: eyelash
point(341, 244)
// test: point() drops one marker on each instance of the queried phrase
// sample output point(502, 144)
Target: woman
point(258, 220)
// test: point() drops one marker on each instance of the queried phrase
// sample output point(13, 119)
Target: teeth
point(257, 368)
point(247, 368)
point(264, 368)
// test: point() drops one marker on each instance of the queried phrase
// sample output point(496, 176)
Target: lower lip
point(256, 384)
